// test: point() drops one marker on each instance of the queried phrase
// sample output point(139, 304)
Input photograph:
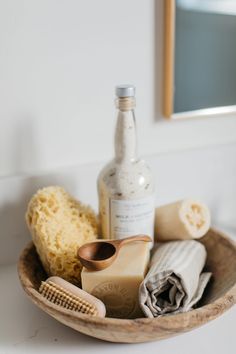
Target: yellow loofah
point(59, 225)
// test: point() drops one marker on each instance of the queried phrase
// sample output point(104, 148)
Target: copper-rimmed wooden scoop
point(99, 255)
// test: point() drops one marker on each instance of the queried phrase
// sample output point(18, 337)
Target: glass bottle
point(125, 185)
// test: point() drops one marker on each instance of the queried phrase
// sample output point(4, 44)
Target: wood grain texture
point(100, 254)
point(169, 54)
point(220, 295)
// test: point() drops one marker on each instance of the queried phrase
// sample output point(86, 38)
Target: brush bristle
point(59, 296)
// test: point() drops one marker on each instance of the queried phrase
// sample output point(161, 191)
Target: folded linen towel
point(174, 282)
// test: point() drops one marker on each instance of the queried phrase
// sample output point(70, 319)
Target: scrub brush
point(64, 294)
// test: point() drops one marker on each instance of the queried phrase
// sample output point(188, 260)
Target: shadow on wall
point(16, 192)
point(25, 147)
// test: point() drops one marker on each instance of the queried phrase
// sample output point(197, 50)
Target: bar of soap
point(118, 285)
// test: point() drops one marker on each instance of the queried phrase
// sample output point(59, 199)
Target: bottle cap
point(125, 91)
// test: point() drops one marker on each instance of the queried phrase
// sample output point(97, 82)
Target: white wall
point(59, 63)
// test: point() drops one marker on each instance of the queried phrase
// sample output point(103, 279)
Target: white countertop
point(25, 328)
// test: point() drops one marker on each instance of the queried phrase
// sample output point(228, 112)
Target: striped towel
point(174, 282)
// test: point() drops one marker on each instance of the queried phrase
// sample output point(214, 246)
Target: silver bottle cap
point(125, 91)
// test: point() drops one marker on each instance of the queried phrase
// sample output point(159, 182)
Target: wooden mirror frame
point(168, 79)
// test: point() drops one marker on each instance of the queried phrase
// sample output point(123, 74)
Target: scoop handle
point(120, 243)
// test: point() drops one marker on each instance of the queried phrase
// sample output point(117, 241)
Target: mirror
point(200, 58)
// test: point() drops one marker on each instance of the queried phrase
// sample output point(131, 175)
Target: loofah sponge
point(59, 225)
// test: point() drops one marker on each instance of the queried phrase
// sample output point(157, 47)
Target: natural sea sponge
point(59, 224)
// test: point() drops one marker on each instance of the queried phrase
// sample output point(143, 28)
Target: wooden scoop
point(99, 255)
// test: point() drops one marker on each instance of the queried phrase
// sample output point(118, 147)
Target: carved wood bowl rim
point(146, 329)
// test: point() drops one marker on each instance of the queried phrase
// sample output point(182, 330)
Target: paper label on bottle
point(132, 217)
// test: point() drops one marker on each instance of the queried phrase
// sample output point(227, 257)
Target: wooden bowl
point(219, 296)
